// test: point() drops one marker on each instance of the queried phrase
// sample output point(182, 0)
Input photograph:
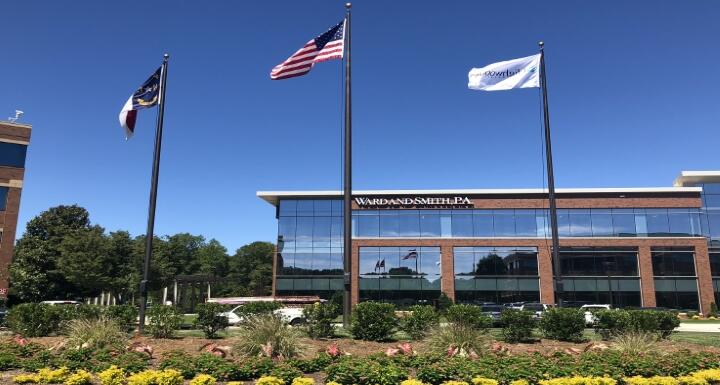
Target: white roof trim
point(694, 177)
point(273, 196)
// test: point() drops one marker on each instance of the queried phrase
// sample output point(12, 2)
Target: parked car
point(590, 318)
point(60, 303)
point(292, 315)
point(514, 305)
point(537, 308)
point(493, 311)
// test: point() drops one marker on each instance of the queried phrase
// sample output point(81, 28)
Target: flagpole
point(347, 185)
point(557, 278)
point(153, 196)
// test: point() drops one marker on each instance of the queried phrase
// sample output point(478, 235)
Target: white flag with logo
point(506, 75)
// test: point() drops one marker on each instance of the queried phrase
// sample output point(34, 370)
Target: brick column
point(547, 289)
point(647, 278)
point(447, 273)
point(355, 274)
point(8, 238)
point(704, 277)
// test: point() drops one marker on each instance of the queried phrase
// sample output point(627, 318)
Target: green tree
point(213, 259)
point(251, 268)
point(34, 273)
point(83, 260)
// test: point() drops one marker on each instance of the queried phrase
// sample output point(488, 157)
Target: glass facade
point(496, 274)
point(310, 248)
point(711, 212)
point(675, 280)
point(3, 197)
point(517, 223)
point(600, 275)
point(715, 272)
point(12, 154)
point(403, 275)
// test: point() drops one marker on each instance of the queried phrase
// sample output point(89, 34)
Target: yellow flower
point(656, 380)
point(303, 381)
point(234, 383)
point(454, 383)
point(81, 377)
point(578, 380)
point(709, 375)
point(412, 381)
point(484, 381)
point(520, 382)
point(269, 380)
point(692, 380)
point(25, 379)
point(333, 383)
point(112, 376)
point(49, 376)
point(203, 379)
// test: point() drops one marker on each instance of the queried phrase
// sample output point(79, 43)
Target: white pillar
point(165, 289)
point(175, 294)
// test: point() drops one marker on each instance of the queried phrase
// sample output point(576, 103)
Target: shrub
point(563, 324)
point(419, 321)
point(25, 379)
point(8, 361)
point(132, 362)
point(34, 319)
point(112, 376)
point(613, 322)
point(267, 335)
point(443, 303)
point(210, 320)
point(156, 377)
point(164, 320)
point(303, 381)
point(469, 315)
point(319, 318)
point(713, 310)
point(256, 308)
point(81, 377)
point(373, 321)
point(203, 379)
point(285, 372)
point(316, 364)
point(517, 325)
point(250, 368)
point(484, 381)
point(180, 361)
point(94, 333)
point(636, 343)
point(49, 376)
point(579, 381)
point(457, 339)
point(361, 371)
point(81, 311)
point(211, 364)
point(123, 315)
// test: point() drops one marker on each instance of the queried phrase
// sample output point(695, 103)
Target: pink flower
point(406, 349)
point(391, 352)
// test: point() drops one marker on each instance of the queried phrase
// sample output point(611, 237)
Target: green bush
point(316, 364)
point(180, 361)
point(211, 364)
point(443, 303)
point(468, 315)
point(164, 320)
point(269, 336)
point(563, 324)
point(124, 315)
point(285, 372)
point(255, 308)
point(81, 311)
point(458, 338)
point(364, 371)
point(210, 320)
point(34, 319)
point(418, 322)
point(96, 333)
point(131, 362)
point(713, 310)
point(8, 362)
point(319, 318)
point(614, 322)
point(373, 321)
point(517, 325)
point(249, 369)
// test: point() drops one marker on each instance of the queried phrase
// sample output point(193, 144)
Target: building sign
point(457, 201)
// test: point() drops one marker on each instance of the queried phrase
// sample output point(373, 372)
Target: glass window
point(715, 264)
point(368, 225)
point(563, 222)
point(623, 222)
point(389, 224)
point(683, 222)
point(286, 232)
point(429, 223)
point(12, 154)
point(304, 232)
point(669, 262)
point(711, 188)
point(712, 201)
point(305, 208)
point(321, 231)
point(462, 224)
point(602, 225)
point(580, 223)
point(323, 207)
point(409, 223)
point(677, 293)
point(288, 207)
point(525, 223)
point(598, 262)
point(657, 222)
point(483, 223)
point(504, 223)
point(337, 208)
point(503, 261)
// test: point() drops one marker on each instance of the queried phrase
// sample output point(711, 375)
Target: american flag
point(327, 46)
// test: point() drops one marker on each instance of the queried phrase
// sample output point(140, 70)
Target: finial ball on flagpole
point(166, 56)
point(541, 44)
point(348, 5)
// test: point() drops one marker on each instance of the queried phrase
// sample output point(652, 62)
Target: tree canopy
point(62, 255)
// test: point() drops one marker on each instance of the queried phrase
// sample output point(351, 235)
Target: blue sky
point(633, 90)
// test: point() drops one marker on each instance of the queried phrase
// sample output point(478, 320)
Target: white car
point(590, 318)
point(59, 303)
point(291, 315)
point(537, 308)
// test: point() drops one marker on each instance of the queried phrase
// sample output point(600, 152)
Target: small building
point(629, 247)
point(14, 140)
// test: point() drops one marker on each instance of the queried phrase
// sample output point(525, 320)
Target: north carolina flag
point(145, 97)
